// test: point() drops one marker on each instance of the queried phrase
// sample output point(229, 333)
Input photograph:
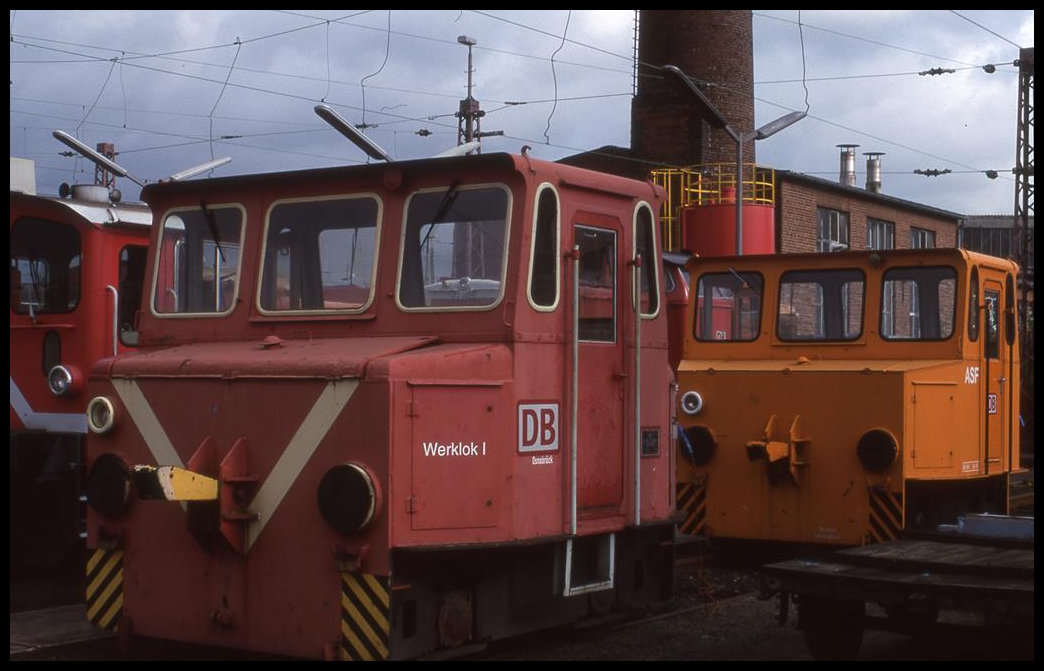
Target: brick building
point(814, 214)
point(996, 234)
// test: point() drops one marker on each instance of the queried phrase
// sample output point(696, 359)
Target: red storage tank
point(710, 230)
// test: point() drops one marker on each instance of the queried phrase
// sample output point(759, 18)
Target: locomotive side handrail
point(115, 318)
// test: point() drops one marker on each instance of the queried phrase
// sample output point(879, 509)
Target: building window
point(921, 238)
point(880, 234)
point(992, 241)
point(833, 230)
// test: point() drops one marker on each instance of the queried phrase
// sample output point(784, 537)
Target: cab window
point(728, 306)
point(197, 267)
point(645, 246)
point(320, 255)
point(820, 305)
point(453, 248)
point(918, 303)
point(543, 272)
point(132, 278)
point(45, 266)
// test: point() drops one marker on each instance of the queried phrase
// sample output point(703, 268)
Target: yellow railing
point(708, 184)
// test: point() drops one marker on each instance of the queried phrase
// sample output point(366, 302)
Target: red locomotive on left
point(387, 410)
point(77, 268)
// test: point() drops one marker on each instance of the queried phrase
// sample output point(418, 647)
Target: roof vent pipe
point(848, 174)
point(873, 170)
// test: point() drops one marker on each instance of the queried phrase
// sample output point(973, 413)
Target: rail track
point(716, 613)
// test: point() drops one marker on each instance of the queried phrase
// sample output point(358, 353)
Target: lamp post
point(717, 120)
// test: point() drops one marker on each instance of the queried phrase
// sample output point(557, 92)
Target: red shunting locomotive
point(386, 410)
point(77, 266)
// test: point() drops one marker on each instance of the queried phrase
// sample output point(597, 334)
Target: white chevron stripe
point(313, 429)
point(302, 446)
point(58, 422)
point(148, 424)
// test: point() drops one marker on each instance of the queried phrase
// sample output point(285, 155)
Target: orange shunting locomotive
point(840, 398)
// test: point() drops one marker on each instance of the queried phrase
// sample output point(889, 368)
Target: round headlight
point(698, 444)
point(62, 380)
point(348, 498)
point(691, 402)
point(109, 485)
point(100, 414)
point(877, 450)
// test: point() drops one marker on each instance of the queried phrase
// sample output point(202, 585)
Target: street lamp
point(717, 120)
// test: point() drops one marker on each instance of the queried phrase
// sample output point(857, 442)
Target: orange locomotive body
point(76, 267)
point(387, 410)
point(853, 395)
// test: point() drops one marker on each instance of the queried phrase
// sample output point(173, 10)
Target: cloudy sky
point(173, 89)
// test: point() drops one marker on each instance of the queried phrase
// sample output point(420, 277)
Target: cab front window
point(197, 268)
point(453, 248)
point(45, 267)
point(918, 303)
point(820, 305)
point(320, 255)
point(728, 306)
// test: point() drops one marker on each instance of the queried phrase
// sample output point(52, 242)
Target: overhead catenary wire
point(554, 75)
point(126, 61)
point(991, 32)
point(362, 82)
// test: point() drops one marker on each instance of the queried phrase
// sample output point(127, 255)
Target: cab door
point(601, 368)
point(995, 370)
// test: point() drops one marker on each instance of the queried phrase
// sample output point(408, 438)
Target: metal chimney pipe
point(873, 170)
point(848, 173)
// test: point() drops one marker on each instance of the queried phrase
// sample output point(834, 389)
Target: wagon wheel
point(833, 627)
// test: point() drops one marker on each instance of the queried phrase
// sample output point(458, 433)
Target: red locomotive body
point(404, 407)
point(76, 276)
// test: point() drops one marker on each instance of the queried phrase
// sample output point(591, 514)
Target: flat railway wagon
point(847, 396)
point(77, 268)
point(384, 411)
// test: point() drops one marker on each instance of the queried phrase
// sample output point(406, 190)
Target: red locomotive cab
point(76, 272)
point(404, 406)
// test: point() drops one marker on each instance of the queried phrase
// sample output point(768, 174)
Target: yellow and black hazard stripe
point(885, 515)
point(365, 617)
point(691, 501)
point(105, 588)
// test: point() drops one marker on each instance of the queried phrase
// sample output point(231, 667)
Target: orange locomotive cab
point(853, 395)
point(402, 407)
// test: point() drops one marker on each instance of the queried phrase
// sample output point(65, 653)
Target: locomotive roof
point(925, 256)
point(99, 214)
point(479, 164)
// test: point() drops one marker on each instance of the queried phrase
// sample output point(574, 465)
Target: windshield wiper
point(212, 225)
point(443, 209)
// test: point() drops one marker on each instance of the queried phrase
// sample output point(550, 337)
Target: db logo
point(538, 427)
